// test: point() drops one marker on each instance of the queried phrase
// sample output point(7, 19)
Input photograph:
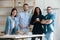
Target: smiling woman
point(12, 23)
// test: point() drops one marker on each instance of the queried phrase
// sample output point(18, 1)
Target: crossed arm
point(48, 21)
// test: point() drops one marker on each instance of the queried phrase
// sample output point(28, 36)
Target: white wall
point(54, 4)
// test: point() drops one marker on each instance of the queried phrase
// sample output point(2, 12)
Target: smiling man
point(49, 24)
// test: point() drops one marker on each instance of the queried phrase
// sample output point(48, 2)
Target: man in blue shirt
point(24, 19)
point(49, 24)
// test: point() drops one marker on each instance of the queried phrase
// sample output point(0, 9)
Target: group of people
point(19, 23)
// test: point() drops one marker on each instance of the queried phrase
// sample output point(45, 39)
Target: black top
point(37, 29)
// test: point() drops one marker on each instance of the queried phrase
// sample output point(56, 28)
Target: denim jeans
point(49, 36)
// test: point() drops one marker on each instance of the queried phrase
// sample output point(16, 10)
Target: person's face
point(49, 10)
point(37, 10)
point(26, 7)
point(14, 13)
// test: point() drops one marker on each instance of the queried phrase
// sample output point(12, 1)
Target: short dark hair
point(49, 7)
point(25, 4)
point(12, 11)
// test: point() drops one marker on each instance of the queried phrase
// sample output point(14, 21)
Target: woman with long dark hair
point(36, 21)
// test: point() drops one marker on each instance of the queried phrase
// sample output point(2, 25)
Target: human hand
point(37, 19)
point(43, 21)
point(19, 32)
point(21, 26)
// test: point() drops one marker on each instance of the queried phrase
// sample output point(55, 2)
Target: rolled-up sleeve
point(52, 17)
